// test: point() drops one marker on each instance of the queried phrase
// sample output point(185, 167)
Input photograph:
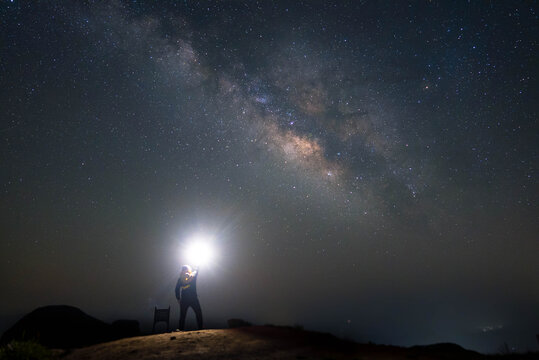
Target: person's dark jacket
point(187, 289)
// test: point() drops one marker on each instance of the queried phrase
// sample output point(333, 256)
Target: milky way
point(378, 157)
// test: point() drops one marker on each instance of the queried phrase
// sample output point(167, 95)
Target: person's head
point(186, 269)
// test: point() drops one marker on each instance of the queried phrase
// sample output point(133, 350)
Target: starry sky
point(366, 168)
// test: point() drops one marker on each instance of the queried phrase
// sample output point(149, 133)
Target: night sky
point(366, 168)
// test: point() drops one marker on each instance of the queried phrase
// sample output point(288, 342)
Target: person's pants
point(184, 306)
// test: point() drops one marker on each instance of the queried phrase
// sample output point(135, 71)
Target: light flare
point(199, 251)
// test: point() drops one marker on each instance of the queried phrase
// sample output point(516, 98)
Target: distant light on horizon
point(491, 328)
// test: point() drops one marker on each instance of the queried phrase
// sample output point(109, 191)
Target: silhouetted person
point(186, 293)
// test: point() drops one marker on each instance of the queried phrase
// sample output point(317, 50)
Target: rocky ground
point(256, 342)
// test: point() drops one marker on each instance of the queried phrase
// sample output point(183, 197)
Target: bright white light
point(198, 252)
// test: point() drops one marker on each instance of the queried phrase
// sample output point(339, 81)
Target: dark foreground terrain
point(258, 342)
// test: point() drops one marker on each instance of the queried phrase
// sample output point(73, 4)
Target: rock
point(443, 349)
point(236, 323)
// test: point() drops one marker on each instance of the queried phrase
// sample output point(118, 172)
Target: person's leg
point(183, 312)
point(198, 313)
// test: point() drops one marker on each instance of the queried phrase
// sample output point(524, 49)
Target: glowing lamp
point(199, 252)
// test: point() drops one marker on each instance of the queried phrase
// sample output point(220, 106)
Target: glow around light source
point(199, 251)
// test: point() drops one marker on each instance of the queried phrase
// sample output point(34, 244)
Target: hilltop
point(257, 342)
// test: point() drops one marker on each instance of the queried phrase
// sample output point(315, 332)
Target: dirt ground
point(256, 342)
